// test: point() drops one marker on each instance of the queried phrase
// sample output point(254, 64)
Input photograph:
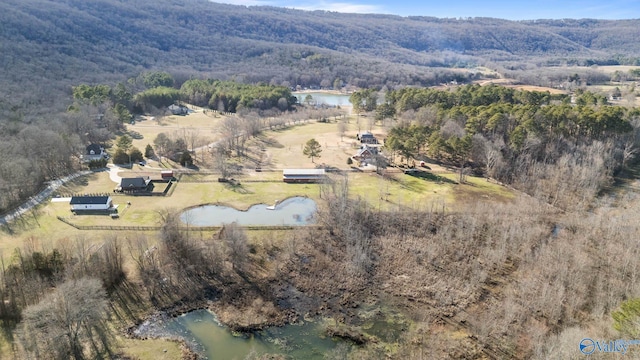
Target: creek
point(205, 335)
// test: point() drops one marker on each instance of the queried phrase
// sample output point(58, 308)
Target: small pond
point(205, 335)
point(324, 98)
point(295, 211)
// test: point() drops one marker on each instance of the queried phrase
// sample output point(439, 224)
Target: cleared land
point(610, 69)
point(433, 188)
point(282, 149)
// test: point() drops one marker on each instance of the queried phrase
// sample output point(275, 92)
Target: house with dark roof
point(366, 153)
point(367, 138)
point(178, 109)
point(94, 152)
point(140, 183)
point(89, 204)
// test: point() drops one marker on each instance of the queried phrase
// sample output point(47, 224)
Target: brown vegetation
point(510, 280)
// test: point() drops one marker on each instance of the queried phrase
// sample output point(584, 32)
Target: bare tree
point(220, 158)
point(70, 322)
point(342, 128)
point(235, 238)
point(231, 130)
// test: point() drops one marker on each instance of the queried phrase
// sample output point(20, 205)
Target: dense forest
point(65, 42)
point(563, 153)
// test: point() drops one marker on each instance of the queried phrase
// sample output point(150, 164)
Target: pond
point(324, 98)
point(295, 211)
point(201, 330)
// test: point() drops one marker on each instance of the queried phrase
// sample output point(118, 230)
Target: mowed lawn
point(396, 190)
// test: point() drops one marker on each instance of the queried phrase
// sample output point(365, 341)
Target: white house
point(94, 152)
point(178, 109)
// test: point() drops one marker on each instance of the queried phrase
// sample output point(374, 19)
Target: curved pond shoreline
point(245, 209)
point(293, 211)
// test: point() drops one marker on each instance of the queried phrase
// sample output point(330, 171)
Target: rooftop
point(93, 200)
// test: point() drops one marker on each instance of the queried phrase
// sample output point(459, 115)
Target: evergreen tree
point(312, 149)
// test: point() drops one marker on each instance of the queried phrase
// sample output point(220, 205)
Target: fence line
point(183, 228)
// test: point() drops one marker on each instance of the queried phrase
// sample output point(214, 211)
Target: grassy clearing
point(204, 124)
point(610, 69)
point(284, 148)
point(151, 349)
point(398, 191)
point(538, 88)
point(287, 151)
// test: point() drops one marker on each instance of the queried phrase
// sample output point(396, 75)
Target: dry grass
point(287, 151)
point(613, 68)
point(537, 88)
point(284, 149)
point(204, 124)
point(157, 349)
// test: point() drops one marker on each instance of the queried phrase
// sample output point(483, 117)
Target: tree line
point(529, 139)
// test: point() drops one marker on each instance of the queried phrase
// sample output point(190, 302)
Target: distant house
point(303, 175)
point(140, 183)
point(178, 109)
point(94, 152)
point(92, 204)
point(366, 153)
point(367, 138)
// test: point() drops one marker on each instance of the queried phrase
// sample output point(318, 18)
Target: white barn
point(303, 175)
point(91, 203)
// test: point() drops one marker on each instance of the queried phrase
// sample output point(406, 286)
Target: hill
point(63, 42)
point(49, 46)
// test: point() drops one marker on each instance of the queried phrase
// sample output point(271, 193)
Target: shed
point(166, 174)
point(303, 175)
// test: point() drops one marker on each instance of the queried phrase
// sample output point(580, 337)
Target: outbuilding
point(166, 174)
point(102, 204)
point(303, 175)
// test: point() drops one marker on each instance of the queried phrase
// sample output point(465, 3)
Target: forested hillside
point(65, 40)
point(54, 44)
point(51, 46)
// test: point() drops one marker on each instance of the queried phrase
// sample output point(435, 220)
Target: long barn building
point(303, 175)
point(93, 204)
